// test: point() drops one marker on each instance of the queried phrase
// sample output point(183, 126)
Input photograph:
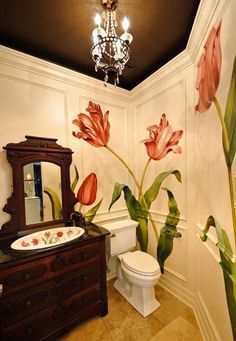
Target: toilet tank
point(122, 235)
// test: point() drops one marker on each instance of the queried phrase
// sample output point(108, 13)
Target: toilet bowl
point(137, 271)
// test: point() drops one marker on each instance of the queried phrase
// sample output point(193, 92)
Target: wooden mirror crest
point(34, 152)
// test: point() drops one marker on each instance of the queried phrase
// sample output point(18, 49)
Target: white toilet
point(137, 271)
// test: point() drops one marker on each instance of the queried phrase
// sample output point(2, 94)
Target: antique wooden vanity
point(45, 292)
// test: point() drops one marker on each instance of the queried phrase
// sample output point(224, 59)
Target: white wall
point(39, 98)
point(192, 272)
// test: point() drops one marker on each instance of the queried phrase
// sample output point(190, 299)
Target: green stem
point(222, 121)
point(143, 176)
point(231, 189)
point(125, 164)
point(139, 189)
point(227, 149)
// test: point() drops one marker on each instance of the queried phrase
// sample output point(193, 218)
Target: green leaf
point(168, 231)
point(151, 194)
point(116, 194)
point(55, 203)
point(90, 214)
point(230, 116)
point(222, 238)
point(173, 217)
point(142, 234)
point(76, 179)
point(164, 248)
point(227, 265)
point(230, 295)
point(136, 212)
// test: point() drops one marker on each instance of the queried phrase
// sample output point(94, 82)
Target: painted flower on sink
point(35, 241)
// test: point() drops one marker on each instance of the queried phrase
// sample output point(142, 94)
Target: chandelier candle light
point(110, 52)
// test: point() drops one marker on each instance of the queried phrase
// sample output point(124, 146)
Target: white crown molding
point(166, 72)
point(209, 13)
point(37, 66)
point(208, 10)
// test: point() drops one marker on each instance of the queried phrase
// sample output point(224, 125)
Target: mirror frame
point(36, 149)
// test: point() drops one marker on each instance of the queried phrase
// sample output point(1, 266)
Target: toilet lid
point(141, 263)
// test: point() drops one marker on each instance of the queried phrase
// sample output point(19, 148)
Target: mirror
point(42, 195)
point(42, 188)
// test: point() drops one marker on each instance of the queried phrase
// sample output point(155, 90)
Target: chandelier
point(109, 51)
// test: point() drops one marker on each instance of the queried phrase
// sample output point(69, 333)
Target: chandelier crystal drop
point(109, 51)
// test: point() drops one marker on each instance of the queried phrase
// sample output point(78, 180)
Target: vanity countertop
point(8, 256)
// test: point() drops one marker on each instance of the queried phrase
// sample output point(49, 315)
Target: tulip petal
point(94, 128)
point(88, 190)
point(162, 139)
point(209, 67)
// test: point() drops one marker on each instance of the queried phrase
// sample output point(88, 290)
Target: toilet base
point(142, 299)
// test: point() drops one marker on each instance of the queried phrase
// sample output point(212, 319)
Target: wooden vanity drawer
point(23, 275)
point(41, 324)
point(29, 301)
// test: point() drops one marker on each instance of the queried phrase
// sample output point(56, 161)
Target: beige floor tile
point(91, 330)
point(178, 330)
point(125, 323)
point(188, 314)
point(170, 307)
point(131, 326)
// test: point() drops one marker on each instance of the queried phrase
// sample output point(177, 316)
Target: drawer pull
point(85, 278)
point(9, 307)
point(85, 300)
point(28, 303)
point(59, 283)
point(84, 255)
point(58, 264)
point(27, 276)
point(29, 331)
point(59, 312)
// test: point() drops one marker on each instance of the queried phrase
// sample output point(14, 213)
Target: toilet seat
point(140, 263)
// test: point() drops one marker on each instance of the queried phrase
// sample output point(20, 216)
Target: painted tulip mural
point(86, 196)
point(94, 128)
point(208, 79)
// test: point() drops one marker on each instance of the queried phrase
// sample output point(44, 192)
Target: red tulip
point(162, 140)
point(88, 190)
point(94, 128)
point(209, 67)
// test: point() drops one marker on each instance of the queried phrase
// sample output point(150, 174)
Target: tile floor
point(173, 321)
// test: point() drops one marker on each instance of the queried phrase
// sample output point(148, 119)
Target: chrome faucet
point(72, 218)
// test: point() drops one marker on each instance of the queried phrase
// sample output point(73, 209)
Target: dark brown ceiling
point(60, 31)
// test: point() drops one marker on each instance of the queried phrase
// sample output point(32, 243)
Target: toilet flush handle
point(113, 235)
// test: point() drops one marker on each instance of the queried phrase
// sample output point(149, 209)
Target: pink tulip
point(88, 190)
point(162, 140)
point(209, 67)
point(94, 127)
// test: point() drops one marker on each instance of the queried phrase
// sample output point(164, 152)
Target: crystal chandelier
point(109, 51)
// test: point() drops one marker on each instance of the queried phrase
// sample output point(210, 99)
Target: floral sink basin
point(47, 238)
